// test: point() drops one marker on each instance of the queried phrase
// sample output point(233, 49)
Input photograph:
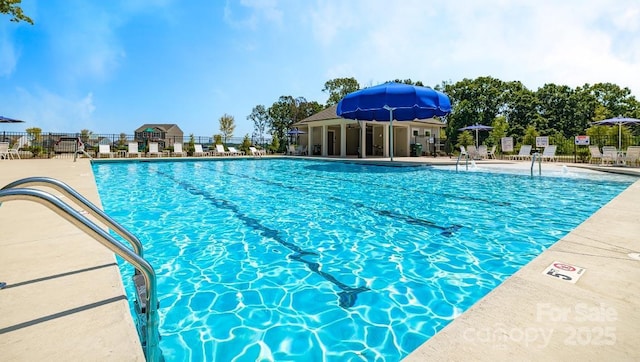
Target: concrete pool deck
point(64, 298)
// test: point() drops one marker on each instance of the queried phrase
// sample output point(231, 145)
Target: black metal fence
point(50, 144)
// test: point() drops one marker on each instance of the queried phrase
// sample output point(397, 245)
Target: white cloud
point(53, 112)
point(536, 42)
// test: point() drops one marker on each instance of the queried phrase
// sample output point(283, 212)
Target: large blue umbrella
point(389, 101)
point(619, 121)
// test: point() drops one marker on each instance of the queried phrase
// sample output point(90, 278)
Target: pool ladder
point(466, 156)
point(534, 157)
point(144, 277)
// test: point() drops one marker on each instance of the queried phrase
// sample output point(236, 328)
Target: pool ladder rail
point(144, 278)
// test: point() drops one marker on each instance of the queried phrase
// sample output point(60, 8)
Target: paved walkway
point(64, 298)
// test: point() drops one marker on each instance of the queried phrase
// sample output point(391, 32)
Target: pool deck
point(64, 298)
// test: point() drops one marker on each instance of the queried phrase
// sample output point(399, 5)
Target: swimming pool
point(280, 259)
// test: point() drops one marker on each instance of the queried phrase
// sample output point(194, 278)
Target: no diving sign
point(563, 271)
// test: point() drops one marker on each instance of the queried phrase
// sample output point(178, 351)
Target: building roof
point(323, 115)
point(165, 127)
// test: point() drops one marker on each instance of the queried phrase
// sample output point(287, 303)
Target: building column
point(385, 141)
point(310, 141)
point(343, 139)
point(363, 139)
point(325, 130)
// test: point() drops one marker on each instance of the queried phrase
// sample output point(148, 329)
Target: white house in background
point(327, 134)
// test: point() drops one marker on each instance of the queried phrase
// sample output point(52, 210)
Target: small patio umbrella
point(8, 120)
point(476, 127)
point(619, 121)
point(296, 132)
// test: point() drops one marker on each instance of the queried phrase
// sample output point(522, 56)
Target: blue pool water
point(298, 260)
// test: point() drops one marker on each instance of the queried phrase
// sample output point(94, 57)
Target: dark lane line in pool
point(346, 298)
point(446, 230)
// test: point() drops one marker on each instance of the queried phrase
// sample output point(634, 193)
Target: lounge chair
point(220, 151)
point(4, 150)
point(291, 150)
point(596, 155)
point(302, 150)
point(609, 154)
point(549, 153)
point(199, 152)
point(491, 154)
point(255, 152)
point(632, 157)
point(177, 150)
point(235, 152)
point(133, 150)
point(463, 151)
point(523, 154)
point(153, 150)
point(14, 151)
point(482, 152)
point(472, 151)
point(105, 150)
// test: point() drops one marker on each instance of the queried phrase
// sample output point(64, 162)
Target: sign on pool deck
point(563, 271)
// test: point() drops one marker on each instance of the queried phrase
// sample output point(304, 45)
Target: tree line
point(558, 111)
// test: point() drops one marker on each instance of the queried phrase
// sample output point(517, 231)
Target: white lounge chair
point(14, 151)
point(153, 150)
point(632, 157)
point(235, 152)
point(105, 151)
point(199, 152)
point(220, 151)
point(133, 150)
point(609, 154)
point(4, 150)
point(524, 154)
point(177, 150)
point(596, 155)
point(549, 153)
point(255, 152)
point(482, 152)
point(491, 154)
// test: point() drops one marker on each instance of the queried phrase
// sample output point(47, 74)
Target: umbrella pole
point(619, 137)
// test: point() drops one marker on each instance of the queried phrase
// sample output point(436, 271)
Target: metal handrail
point(152, 351)
point(535, 156)
point(81, 201)
point(466, 160)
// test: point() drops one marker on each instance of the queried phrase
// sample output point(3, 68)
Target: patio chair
point(482, 152)
point(14, 151)
point(220, 151)
point(177, 150)
point(235, 152)
point(549, 153)
point(255, 152)
point(4, 150)
point(632, 157)
point(153, 150)
point(133, 150)
point(609, 154)
point(596, 155)
point(472, 151)
point(302, 150)
point(491, 154)
point(291, 150)
point(199, 152)
point(523, 154)
point(463, 151)
point(105, 150)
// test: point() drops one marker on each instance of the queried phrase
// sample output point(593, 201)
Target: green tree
point(288, 110)
point(191, 146)
point(246, 143)
point(12, 8)
point(85, 134)
point(35, 133)
point(227, 126)
point(530, 135)
point(260, 118)
point(338, 88)
point(217, 139)
point(465, 138)
point(122, 141)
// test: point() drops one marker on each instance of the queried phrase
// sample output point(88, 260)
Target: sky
point(111, 66)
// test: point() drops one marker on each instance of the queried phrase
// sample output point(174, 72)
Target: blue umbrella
point(296, 132)
point(389, 101)
point(619, 121)
point(476, 127)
